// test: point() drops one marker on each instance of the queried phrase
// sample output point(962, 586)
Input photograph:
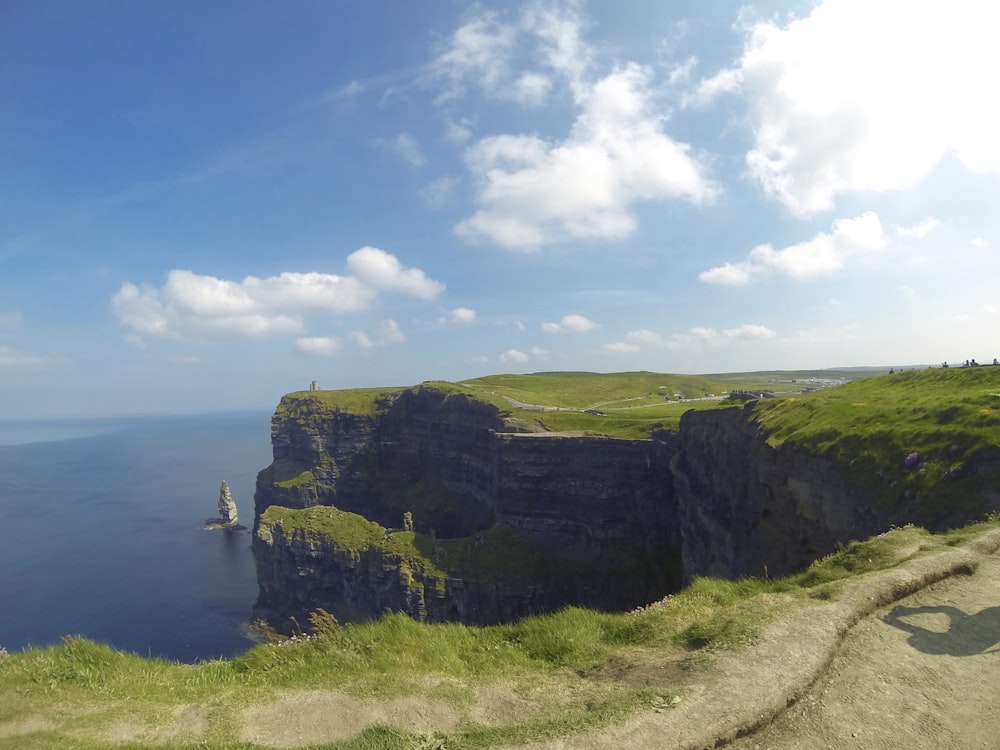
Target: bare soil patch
point(919, 673)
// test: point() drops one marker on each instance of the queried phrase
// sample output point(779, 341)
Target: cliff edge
point(501, 522)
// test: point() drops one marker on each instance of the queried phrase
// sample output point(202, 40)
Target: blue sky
point(204, 205)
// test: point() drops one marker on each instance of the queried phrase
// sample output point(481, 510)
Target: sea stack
point(227, 507)
point(228, 518)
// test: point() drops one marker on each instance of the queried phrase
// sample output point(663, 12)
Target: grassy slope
point(633, 404)
point(947, 416)
point(76, 694)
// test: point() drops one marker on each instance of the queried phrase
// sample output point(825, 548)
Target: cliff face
point(428, 453)
point(507, 524)
point(595, 515)
point(748, 508)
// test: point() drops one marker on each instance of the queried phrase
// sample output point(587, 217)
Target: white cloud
point(325, 346)
point(979, 242)
point(867, 96)
point(823, 254)
point(682, 72)
point(458, 132)
point(919, 231)
point(388, 333)
point(384, 271)
point(531, 191)
point(476, 54)
point(621, 347)
point(514, 355)
point(196, 306)
point(538, 353)
point(458, 316)
point(694, 338)
point(405, 147)
point(531, 89)
point(12, 358)
point(645, 336)
point(571, 324)
point(725, 81)
point(440, 192)
point(713, 337)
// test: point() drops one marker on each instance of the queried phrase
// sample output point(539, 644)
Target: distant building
point(749, 395)
point(314, 386)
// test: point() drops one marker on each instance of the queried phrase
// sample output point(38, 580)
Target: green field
point(631, 404)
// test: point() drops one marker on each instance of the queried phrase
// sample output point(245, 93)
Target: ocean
point(102, 533)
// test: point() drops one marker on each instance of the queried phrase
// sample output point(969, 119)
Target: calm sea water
point(102, 533)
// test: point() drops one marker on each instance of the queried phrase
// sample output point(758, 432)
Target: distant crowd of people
point(971, 363)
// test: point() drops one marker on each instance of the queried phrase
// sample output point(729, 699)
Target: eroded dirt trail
point(921, 673)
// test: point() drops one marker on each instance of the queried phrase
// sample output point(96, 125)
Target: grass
point(632, 404)
point(74, 694)
point(500, 554)
point(949, 417)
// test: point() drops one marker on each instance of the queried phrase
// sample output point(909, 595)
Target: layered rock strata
point(501, 522)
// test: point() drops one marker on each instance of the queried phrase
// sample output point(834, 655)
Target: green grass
point(950, 417)
point(498, 554)
point(633, 404)
point(562, 662)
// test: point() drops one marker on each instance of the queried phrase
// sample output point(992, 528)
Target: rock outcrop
point(228, 514)
point(502, 522)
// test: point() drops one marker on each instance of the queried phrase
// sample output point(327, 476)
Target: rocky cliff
point(506, 522)
point(594, 517)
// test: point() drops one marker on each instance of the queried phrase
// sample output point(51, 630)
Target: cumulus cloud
point(440, 192)
point(571, 324)
point(458, 316)
point(693, 338)
point(823, 254)
point(405, 147)
point(979, 242)
point(383, 270)
point(918, 231)
point(532, 191)
point(476, 54)
point(724, 82)
point(388, 333)
point(621, 347)
point(191, 305)
point(325, 346)
point(866, 96)
point(458, 132)
point(682, 72)
point(514, 355)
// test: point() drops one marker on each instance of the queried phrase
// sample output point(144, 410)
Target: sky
point(205, 205)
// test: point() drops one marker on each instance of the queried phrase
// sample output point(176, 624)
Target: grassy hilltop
point(396, 683)
point(630, 404)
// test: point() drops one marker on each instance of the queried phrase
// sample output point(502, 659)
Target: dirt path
point(921, 673)
point(904, 658)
